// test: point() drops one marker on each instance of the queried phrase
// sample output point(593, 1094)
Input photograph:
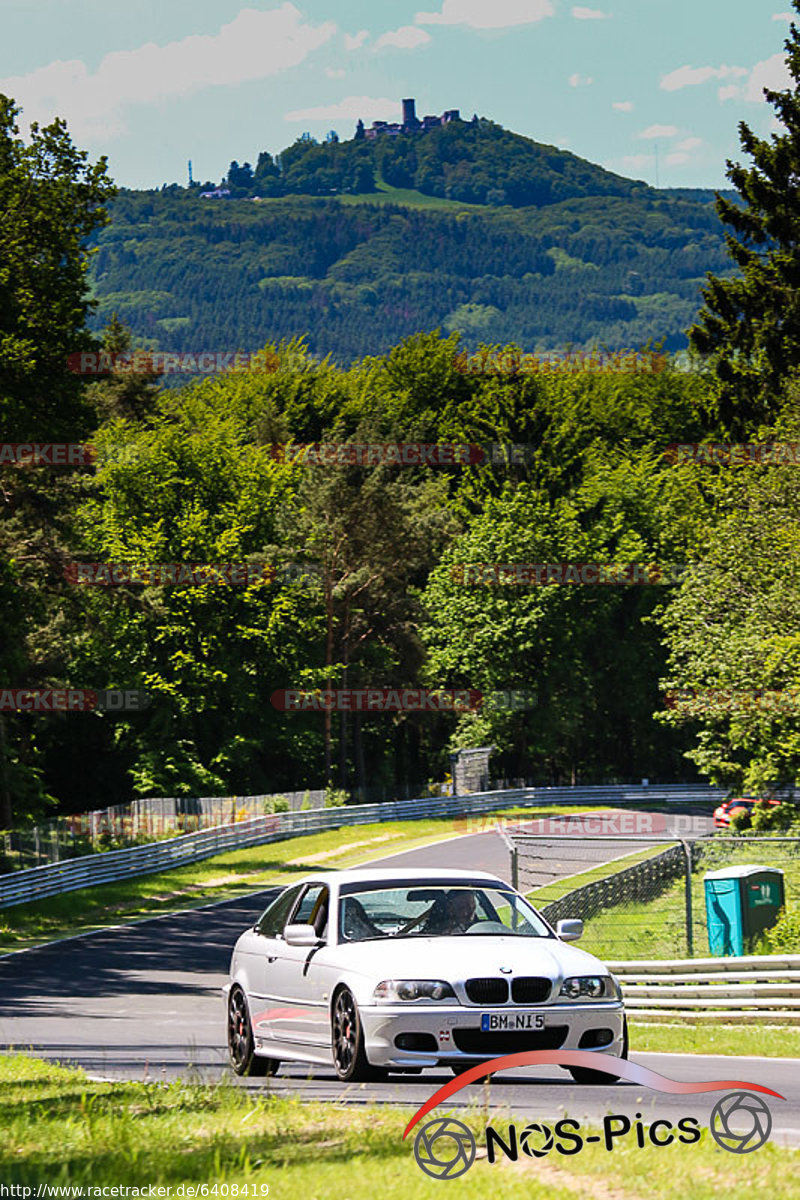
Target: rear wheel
point(241, 1048)
point(347, 1036)
point(587, 1076)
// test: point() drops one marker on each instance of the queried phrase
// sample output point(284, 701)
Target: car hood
point(465, 957)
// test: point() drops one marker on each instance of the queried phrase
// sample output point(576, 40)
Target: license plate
point(511, 1021)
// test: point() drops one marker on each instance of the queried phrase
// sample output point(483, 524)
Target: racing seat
point(355, 922)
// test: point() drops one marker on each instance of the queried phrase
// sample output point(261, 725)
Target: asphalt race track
point(143, 1001)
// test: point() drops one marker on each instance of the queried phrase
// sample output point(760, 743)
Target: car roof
point(400, 875)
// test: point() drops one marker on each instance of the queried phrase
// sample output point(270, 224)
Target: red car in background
point(723, 814)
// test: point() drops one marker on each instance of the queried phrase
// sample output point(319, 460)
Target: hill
point(556, 251)
point(475, 162)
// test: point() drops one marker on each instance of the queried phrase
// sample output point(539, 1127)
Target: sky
point(648, 89)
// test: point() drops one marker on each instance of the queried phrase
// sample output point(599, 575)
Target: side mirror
point(301, 935)
point(569, 930)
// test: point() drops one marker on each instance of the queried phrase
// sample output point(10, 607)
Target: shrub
point(336, 797)
point(275, 804)
point(784, 936)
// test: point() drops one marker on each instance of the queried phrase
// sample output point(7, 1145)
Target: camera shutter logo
point(444, 1148)
point(528, 1139)
point(740, 1109)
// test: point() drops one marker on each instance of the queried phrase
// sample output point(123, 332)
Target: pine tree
point(750, 325)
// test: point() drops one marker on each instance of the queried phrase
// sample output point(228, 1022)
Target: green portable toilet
point(741, 902)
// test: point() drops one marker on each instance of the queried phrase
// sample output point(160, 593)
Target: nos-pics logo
point(446, 1148)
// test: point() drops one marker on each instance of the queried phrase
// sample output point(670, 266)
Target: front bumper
point(432, 1034)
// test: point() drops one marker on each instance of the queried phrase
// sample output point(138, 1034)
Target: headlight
point(592, 987)
point(392, 990)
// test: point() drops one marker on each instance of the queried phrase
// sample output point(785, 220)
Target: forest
point(183, 555)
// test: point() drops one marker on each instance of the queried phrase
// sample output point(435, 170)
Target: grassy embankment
point(60, 1127)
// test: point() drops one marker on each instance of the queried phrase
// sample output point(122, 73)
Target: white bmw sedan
point(390, 970)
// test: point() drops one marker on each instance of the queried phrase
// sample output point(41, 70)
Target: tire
point(241, 1048)
point(347, 1040)
point(595, 1078)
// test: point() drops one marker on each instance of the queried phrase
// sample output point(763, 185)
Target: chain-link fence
point(139, 822)
point(643, 897)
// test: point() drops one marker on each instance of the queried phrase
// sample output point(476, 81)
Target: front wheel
point(347, 1036)
point(241, 1048)
point(587, 1076)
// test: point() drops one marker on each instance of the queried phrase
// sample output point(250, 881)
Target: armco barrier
point(759, 989)
point(109, 866)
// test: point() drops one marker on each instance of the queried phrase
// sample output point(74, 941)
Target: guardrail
point(35, 883)
point(758, 989)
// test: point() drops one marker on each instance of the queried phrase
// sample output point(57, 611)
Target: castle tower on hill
point(410, 113)
point(410, 123)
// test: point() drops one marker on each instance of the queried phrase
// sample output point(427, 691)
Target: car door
point(304, 1017)
point(265, 996)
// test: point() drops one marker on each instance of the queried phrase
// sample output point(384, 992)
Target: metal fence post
point(687, 851)
point(514, 852)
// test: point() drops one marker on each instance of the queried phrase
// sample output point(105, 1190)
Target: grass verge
point(560, 887)
point(226, 876)
point(656, 928)
point(768, 1041)
point(60, 1127)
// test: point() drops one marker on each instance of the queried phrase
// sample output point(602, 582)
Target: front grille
point(530, 989)
point(487, 991)
point(475, 1041)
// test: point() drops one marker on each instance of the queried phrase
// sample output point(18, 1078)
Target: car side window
point(313, 908)
point(272, 922)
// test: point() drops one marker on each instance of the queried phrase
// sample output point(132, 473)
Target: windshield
point(436, 911)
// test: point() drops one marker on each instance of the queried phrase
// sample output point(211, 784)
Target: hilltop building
point(410, 123)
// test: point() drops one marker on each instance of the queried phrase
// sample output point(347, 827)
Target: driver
point(457, 915)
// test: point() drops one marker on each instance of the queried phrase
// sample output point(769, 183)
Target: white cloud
point(623, 106)
point(691, 76)
point(676, 159)
point(688, 144)
point(335, 72)
point(488, 14)
point(352, 107)
point(784, 16)
point(252, 46)
point(658, 131)
point(589, 14)
point(408, 37)
point(354, 41)
point(577, 80)
point(771, 73)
